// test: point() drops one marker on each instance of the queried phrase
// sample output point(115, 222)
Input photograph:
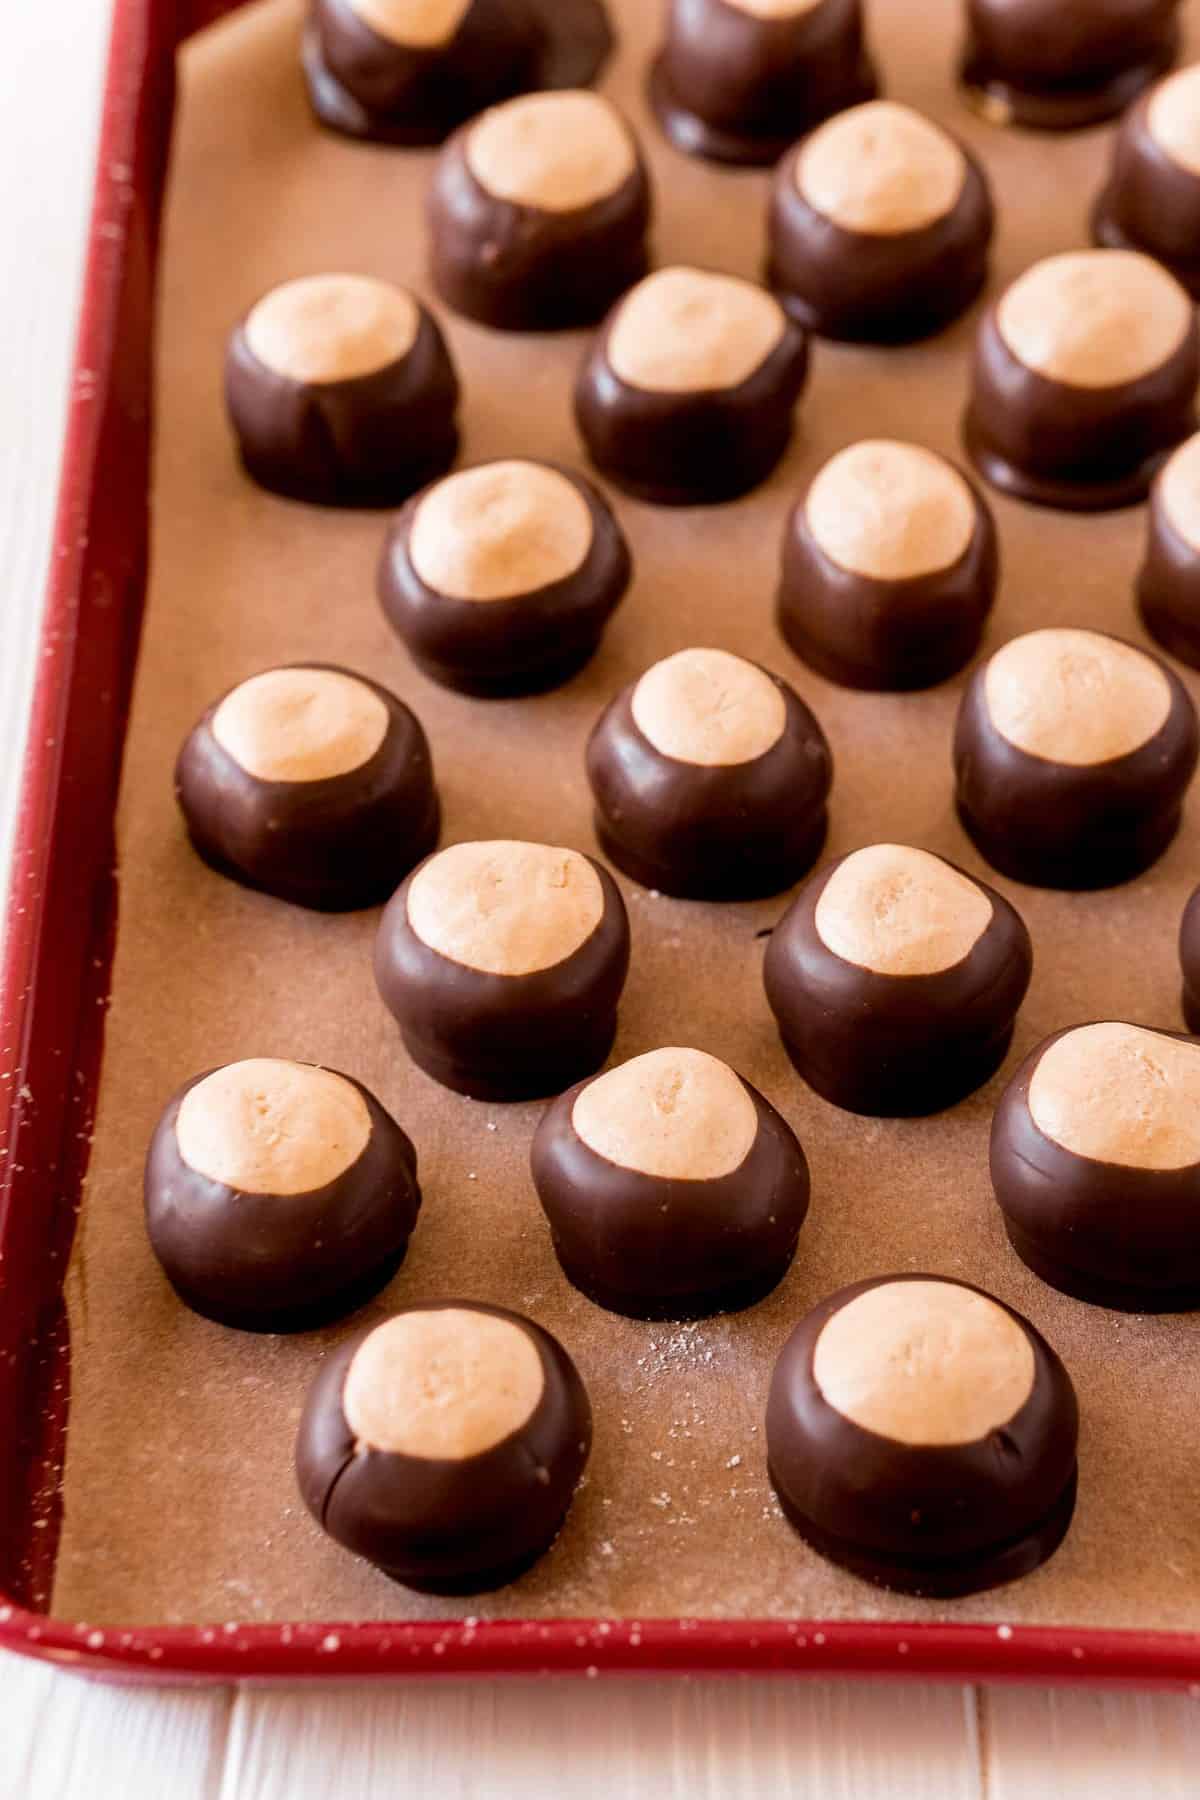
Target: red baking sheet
point(62, 912)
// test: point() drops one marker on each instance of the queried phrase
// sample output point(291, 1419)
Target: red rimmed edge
point(61, 920)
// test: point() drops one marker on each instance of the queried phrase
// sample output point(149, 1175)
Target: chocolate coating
point(1189, 956)
point(1115, 1235)
point(652, 1247)
point(877, 287)
point(334, 845)
point(888, 635)
point(281, 1262)
point(505, 1037)
point(1086, 449)
point(895, 1046)
point(732, 831)
point(525, 268)
point(1058, 65)
point(1168, 583)
point(368, 441)
point(523, 645)
point(1064, 825)
point(441, 1525)
point(937, 1520)
point(365, 86)
point(690, 448)
point(739, 89)
point(1150, 202)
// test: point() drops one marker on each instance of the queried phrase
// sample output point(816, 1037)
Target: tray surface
point(178, 1488)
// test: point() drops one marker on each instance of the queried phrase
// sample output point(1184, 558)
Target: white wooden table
point(64, 1739)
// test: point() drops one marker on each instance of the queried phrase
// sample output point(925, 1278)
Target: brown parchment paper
point(180, 1503)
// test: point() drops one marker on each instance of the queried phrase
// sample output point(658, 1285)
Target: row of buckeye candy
point(672, 1188)
point(879, 222)
point(1073, 752)
point(446, 1443)
point(735, 80)
point(342, 390)
point(502, 578)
